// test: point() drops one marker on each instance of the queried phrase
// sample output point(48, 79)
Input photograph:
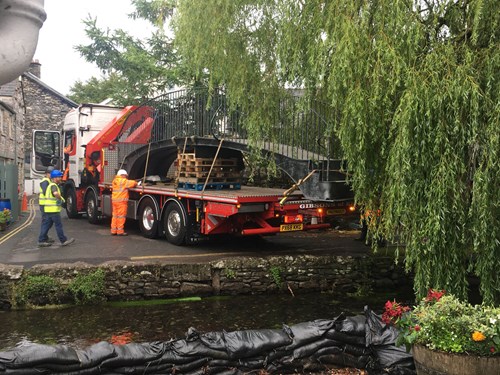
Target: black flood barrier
point(362, 342)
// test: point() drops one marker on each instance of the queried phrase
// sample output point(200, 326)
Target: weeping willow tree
point(416, 84)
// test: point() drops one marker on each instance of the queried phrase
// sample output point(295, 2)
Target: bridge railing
point(298, 130)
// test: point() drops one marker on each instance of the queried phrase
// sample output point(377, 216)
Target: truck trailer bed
point(246, 194)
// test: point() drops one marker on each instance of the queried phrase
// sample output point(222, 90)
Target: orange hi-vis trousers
point(118, 218)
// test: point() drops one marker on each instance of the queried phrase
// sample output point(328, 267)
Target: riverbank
point(126, 281)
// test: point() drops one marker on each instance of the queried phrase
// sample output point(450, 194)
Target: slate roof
point(50, 89)
point(9, 89)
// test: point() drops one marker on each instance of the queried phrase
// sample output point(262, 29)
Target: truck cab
point(65, 149)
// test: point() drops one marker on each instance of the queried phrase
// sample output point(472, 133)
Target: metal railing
point(299, 129)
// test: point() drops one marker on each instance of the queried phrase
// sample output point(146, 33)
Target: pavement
point(94, 244)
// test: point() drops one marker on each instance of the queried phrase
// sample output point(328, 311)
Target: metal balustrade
point(299, 132)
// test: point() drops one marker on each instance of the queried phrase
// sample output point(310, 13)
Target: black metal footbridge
point(298, 139)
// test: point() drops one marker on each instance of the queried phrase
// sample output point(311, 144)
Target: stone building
point(45, 108)
point(26, 103)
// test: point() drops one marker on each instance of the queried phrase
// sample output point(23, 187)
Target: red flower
point(393, 312)
point(417, 327)
point(434, 295)
point(492, 349)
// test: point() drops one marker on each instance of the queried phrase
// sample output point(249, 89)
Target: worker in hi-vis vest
point(44, 183)
point(119, 198)
point(52, 207)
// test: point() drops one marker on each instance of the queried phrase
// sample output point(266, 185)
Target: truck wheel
point(147, 218)
point(91, 205)
point(71, 210)
point(175, 224)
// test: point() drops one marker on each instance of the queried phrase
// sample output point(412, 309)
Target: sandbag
point(391, 355)
point(377, 332)
point(244, 344)
point(89, 358)
point(134, 354)
point(345, 338)
point(196, 348)
point(311, 348)
point(214, 340)
point(303, 333)
point(171, 357)
point(352, 325)
point(30, 355)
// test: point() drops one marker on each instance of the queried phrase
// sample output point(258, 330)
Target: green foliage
point(38, 290)
point(276, 272)
point(88, 288)
point(416, 88)
point(133, 70)
point(43, 290)
point(95, 90)
point(230, 274)
point(452, 326)
point(5, 216)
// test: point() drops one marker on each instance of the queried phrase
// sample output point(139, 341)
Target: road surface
point(95, 245)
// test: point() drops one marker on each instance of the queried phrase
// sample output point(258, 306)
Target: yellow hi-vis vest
point(52, 204)
point(42, 195)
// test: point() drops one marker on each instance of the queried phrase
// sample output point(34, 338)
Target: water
point(80, 327)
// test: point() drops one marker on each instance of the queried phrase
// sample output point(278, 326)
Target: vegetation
point(276, 272)
point(47, 290)
point(415, 85)
point(442, 322)
point(230, 274)
point(89, 288)
point(38, 290)
point(133, 69)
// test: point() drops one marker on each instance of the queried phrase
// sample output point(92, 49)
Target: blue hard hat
point(56, 173)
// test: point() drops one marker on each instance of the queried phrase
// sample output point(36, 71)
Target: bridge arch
point(300, 144)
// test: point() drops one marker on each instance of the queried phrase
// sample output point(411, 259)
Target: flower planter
point(430, 362)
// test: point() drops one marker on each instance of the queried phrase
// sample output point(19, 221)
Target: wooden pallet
point(194, 171)
point(191, 159)
point(214, 174)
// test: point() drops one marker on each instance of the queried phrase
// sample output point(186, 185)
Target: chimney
point(35, 68)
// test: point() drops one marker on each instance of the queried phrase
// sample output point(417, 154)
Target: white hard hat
point(122, 172)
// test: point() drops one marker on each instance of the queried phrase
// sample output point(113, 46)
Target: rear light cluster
point(290, 219)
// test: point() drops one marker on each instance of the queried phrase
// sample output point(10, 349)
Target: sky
point(63, 29)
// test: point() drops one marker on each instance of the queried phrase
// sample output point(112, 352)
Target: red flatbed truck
point(184, 215)
point(88, 150)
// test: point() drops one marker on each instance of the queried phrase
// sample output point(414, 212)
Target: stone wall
point(241, 275)
point(44, 111)
point(11, 131)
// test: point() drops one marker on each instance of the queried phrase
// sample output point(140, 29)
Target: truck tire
point(92, 207)
point(71, 209)
point(148, 222)
point(174, 224)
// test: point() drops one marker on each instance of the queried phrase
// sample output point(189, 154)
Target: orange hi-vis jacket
point(119, 200)
point(120, 187)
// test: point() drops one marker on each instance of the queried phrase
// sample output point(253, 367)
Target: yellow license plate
point(335, 211)
point(291, 227)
